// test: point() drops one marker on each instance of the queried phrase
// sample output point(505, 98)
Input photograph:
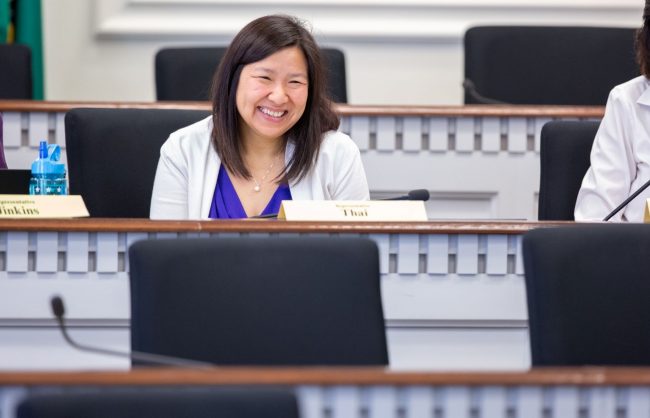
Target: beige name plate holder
point(332, 210)
point(41, 206)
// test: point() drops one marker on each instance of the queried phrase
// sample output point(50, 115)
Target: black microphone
point(417, 194)
point(59, 311)
point(470, 89)
point(626, 201)
point(267, 216)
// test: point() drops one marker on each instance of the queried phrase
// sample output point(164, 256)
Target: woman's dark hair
point(643, 48)
point(257, 40)
point(642, 44)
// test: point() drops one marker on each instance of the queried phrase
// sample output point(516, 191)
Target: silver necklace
point(258, 184)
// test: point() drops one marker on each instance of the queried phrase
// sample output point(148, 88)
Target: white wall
point(398, 52)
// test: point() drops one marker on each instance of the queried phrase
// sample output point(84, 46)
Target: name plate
point(332, 210)
point(646, 212)
point(41, 206)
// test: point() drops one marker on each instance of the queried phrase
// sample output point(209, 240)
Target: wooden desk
point(374, 393)
point(478, 162)
point(453, 292)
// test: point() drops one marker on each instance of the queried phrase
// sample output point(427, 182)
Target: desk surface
point(271, 226)
point(588, 376)
point(341, 109)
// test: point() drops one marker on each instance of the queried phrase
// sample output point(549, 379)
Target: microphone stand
point(626, 201)
point(470, 88)
point(57, 308)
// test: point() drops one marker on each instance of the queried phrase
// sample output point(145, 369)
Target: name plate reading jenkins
point(26, 206)
point(373, 210)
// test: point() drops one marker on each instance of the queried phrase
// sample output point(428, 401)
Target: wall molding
point(349, 20)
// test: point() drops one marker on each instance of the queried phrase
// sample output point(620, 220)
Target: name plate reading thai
point(41, 206)
point(331, 210)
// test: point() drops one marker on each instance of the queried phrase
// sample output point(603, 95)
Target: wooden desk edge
point(341, 109)
point(333, 376)
point(275, 226)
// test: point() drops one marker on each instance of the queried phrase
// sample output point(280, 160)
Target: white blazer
point(620, 157)
point(188, 167)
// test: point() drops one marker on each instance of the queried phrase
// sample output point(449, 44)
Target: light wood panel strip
point(529, 402)
point(438, 134)
point(382, 402)
point(467, 255)
point(386, 134)
point(107, 254)
point(565, 402)
point(465, 132)
point(383, 244)
point(77, 252)
point(491, 135)
point(412, 134)
point(17, 256)
point(408, 254)
point(497, 255)
point(12, 129)
point(492, 401)
point(456, 402)
point(38, 128)
point(47, 251)
point(360, 132)
point(638, 402)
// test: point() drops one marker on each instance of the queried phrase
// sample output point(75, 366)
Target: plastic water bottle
point(48, 174)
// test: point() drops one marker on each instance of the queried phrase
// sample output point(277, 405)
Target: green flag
point(29, 32)
point(5, 19)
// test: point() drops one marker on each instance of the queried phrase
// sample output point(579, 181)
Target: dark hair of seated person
point(257, 40)
point(642, 44)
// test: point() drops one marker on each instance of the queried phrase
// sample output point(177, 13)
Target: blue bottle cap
point(47, 162)
point(42, 150)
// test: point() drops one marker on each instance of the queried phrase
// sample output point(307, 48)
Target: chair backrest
point(259, 301)
point(144, 402)
point(336, 74)
point(113, 154)
point(587, 288)
point(547, 65)
point(15, 72)
point(564, 159)
point(185, 74)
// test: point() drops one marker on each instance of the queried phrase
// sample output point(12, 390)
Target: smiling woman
point(271, 137)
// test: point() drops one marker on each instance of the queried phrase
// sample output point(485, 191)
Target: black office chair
point(148, 402)
point(564, 159)
point(587, 288)
point(540, 65)
point(259, 301)
point(185, 74)
point(113, 154)
point(15, 72)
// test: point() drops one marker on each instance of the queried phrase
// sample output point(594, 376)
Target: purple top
point(226, 203)
point(3, 163)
